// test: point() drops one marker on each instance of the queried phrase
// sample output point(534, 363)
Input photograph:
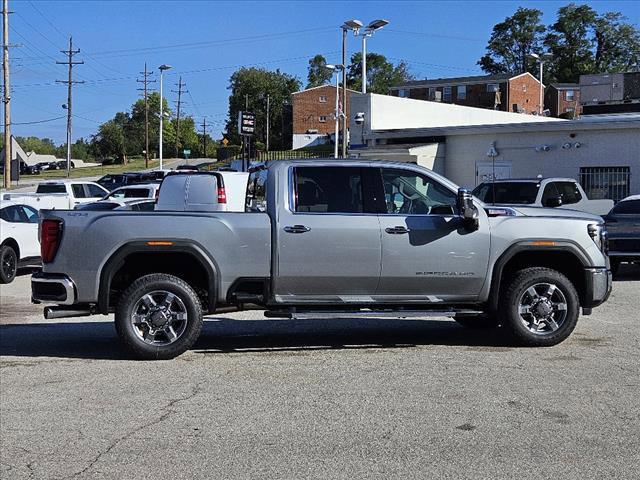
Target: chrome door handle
point(297, 229)
point(397, 230)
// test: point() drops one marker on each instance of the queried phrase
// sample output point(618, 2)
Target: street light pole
point(337, 113)
point(541, 60)
point(353, 25)
point(368, 32)
point(162, 68)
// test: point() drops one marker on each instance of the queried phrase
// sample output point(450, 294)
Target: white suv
point(19, 244)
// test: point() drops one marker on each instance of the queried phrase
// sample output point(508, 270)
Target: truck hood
point(557, 213)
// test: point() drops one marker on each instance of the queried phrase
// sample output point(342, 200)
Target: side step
point(294, 314)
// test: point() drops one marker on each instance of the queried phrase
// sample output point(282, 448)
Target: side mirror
point(467, 210)
point(553, 202)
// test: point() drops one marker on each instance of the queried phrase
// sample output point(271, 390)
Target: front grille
point(624, 245)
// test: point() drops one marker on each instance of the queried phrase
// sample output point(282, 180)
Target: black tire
point(130, 334)
point(478, 322)
point(8, 264)
point(514, 291)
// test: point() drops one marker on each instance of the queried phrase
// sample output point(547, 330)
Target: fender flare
point(117, 260)
point(529, 246)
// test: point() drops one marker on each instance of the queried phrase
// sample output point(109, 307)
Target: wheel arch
point(184, 259)
point(565, 257)
point(11, 242)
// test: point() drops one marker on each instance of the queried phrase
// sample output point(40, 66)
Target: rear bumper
point(52, 288)
point(598, 282)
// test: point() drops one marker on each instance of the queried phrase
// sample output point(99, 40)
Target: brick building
point(313, 115)
point(509, 93)
point(563, 100)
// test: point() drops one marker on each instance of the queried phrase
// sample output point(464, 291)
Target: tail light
point(222, 195)
point(50, 234)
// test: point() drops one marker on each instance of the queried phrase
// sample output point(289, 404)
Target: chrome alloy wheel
point(159, 318)
point(542, 308)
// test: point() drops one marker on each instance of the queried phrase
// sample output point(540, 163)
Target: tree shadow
point(98, 340)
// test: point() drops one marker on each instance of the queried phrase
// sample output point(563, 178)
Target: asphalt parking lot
point(320, 399)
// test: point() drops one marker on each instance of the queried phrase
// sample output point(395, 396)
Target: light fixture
point(352, 24)
point(377, 24)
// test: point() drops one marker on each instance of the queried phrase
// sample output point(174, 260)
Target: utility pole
point(70, 82)
point(7, 94)
point(344, 93)
point(204, 137)
point(267, 143)
point(145, 80)
point(179, 92)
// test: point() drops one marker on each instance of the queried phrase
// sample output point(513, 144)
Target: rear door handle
point(397, 230)
point(297, 229)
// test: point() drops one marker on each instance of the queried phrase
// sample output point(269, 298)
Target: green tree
point(617, 44)
point(253, 85)
point(512, 41)
point(110, 141)
point(135, 130)
point(43, 146)
point(318, 73)
point(570, 42)
point(381, 74)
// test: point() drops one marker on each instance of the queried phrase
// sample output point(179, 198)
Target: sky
point(205, 42)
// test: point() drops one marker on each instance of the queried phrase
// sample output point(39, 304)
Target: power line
point(47, 20)
point(36, 121)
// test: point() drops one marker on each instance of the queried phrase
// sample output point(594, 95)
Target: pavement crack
point(195, 391)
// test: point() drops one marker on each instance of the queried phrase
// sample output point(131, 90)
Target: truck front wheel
point(539, 307)
point(158, 317)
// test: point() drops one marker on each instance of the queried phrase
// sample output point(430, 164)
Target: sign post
point(246, 128)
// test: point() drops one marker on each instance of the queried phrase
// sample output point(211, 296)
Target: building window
point(323, 118)
point(524, 87)
point(446, 94)
point(569, 110)
point(606, 182)
point(404, 93)
point(493, 87)
point(462, 92)
point(323, 99)
point(570, 95)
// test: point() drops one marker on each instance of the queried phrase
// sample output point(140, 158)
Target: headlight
point(598, 233)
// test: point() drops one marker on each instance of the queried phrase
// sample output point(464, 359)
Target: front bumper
point(52, 288)
point(598, 282)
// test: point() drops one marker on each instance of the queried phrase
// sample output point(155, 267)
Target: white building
point(469, 146)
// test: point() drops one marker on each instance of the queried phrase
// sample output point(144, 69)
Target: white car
point(19, 245)
point(133, 192)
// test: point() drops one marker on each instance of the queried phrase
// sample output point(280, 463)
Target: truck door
point(328, 237)
point(427, 254)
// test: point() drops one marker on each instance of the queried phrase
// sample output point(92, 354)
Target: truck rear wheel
point(539, 307)
point(158, 317)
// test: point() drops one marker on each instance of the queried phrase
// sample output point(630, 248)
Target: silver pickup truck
point(330, 239)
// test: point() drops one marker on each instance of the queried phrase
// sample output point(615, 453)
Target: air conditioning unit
point(437, 96)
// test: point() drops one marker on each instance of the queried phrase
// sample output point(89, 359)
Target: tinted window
point(57, 188)
point(328, 190)
point(130, 193)
point(78, 190)
point(144, 206)
point(256, 200)
point(30, 213)
point(409, 193)
point(569, 191)
point(98, 206)
point(630, 207)
point(95, 191)
point(517, 193)
point(13, 214)
point(550, 191)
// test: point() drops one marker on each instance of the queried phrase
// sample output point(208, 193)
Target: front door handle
point(397, 230)
point(297, 229)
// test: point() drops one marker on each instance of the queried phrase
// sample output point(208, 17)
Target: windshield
point(629, 207)
point(515, 193)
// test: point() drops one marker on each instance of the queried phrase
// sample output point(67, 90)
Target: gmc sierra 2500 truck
point(330, 239)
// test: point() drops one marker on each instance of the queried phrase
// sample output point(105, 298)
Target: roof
point(565, 86)
point(322, 86)
point(536, 180)
point(501, 77)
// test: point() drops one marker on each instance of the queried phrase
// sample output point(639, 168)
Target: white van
point(203, 191)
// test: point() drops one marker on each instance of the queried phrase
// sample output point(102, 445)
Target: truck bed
point(237, 244)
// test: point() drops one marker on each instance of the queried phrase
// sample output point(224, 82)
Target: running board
point(293, 314)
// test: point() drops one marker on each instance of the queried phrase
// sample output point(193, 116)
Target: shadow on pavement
point(98, 340)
